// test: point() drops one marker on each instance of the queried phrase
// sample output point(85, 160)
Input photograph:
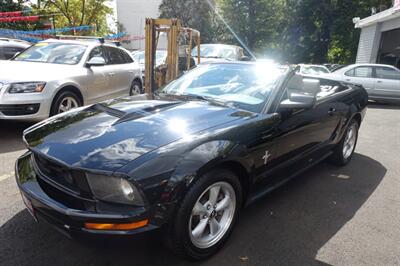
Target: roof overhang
point(386, 15)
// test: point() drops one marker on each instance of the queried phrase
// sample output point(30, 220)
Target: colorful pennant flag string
point(11, 14)
point(23, 18)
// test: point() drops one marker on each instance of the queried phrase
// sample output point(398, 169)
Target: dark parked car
point(189, 157)
point(10, 47)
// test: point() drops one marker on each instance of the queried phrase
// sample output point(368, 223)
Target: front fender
point(59, 85)
point(199, 160)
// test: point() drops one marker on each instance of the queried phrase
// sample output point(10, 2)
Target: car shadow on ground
point(11, 135)
point(287, 227)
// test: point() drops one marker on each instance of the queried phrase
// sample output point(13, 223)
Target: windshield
point(55, 53)
point(216, 51)
point(244, 86)
point(314, 70)
point(161, 57)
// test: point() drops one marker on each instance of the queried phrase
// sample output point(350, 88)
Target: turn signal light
point(129, 226)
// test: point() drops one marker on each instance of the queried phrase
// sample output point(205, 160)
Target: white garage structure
point(380, 38)
point(132, 14)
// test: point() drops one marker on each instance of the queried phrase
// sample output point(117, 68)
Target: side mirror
point(96, 61)
point(298, 101)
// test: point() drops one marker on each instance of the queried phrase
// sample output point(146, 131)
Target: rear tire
point(344, 150)
point(64, 102)
point(136, 88)
point(206, 215)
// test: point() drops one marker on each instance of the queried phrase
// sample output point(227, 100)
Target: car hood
point(18, 71)
point(109, 135)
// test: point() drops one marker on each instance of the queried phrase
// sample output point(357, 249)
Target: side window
point(387, 73)
point(97, 52)
point(350, 73)
point(9, 52)
point(127, 57)
point(116, 57)
point(363, 72)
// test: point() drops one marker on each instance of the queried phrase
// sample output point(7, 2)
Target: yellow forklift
point(155, 77)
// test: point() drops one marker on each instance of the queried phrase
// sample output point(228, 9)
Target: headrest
point(295, 83)
point(311, 86)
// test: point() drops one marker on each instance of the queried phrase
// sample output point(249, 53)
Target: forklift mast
point(174, 30)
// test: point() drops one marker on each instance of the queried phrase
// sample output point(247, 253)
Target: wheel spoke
point(214, 226)
point(63, 109)
point(214, 192)
point(223, 204)
point(199, 229)
point(350, 134)
point(199, 209)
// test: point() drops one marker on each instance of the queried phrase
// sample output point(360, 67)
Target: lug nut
point(208, 207)
point(205, 216)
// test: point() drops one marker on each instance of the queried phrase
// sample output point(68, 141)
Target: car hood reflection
point(107, 136)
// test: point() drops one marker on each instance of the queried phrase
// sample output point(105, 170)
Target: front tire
point(206, 215)
point(344, 151)
point(136, 88)
point(64, 102)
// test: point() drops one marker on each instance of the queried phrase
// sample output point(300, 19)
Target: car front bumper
point(69, 221)
point(18, 106)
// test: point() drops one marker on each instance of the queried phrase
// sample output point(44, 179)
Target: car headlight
point(114, 189)
point(26, 87)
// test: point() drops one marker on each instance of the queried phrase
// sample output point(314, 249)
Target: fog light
point(30, 108)
point(129, 226)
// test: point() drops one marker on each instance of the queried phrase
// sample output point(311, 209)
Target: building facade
point(132, 14)
point(380, 37)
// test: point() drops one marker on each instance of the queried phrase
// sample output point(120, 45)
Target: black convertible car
point(189, 157)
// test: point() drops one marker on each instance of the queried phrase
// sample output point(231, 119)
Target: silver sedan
point(382, 82)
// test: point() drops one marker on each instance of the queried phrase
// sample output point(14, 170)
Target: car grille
point(19, 109)
point(56, 173)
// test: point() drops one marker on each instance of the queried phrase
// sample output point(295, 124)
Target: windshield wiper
point(204, 98)
point(217, 57)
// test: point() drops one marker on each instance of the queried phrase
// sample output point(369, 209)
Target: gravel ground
point(328, 215)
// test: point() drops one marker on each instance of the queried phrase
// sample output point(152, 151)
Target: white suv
point(55, 76)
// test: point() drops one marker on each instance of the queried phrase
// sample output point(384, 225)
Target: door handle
point(379, 81)
point(348, 79)
point(111, 74)
point(331, 111)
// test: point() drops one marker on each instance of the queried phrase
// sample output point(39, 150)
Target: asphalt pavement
point(327, 216)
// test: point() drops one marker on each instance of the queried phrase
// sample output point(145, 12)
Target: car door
point(387, 84)
point(361, 75)
point(300, 137)
point(98, 80)
point(120, 71)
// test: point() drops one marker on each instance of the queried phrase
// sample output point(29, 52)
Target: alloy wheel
point(67, 104)
point(350, 141)
point(212, 215)
point(135, 89)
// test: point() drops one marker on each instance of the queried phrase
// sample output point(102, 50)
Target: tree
point(345, 38)
point(80, 12)
point(195, 14)
point(294, 31)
